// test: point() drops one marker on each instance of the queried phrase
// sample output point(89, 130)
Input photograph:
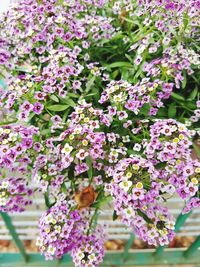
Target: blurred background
point(4, 5)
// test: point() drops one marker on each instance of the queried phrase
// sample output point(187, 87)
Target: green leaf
point(185, 20)
point(54, 98)
point(128, 246)
point(184, 82)
point(45, 132)
point(64, 188)
point(100, 195)
point(102, 202)
point(15, 237)
point(162, 112)
point(145, 109)
point(92, 94)
point(69, 101)
point(115, 216)
point(178, 97)
point(144, 216)
point(128, 57)
point(57, 107)
point(133, 152)
point(119, 65)
point(90, 83)
point(197, 149)
point(66, 115)
point(193, 94)
point(73, 95)
point(125, 73)
point(139, 72)
point(172, 110)
point(115, 73)
point(190, 105)
point(90, 170)
point(160, 165)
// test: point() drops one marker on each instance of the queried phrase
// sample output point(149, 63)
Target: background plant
point(101, 106)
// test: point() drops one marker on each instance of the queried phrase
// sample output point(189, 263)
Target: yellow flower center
point(139, 185)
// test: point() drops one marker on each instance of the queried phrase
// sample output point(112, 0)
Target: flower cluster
point(79, 148)
point(132, 180)
point(135, 189)
point(170, 145)
point(60, 229)
point(191, 204)
point(90, 251)
point(48, 64)
point(16, 142)
point(185, 177)
point(173, 64)
point(158, 229)
point(124, 96)
point(196, 116)
point(170, 141)
point(64, 229)
point(14, 195)
point(171, 17)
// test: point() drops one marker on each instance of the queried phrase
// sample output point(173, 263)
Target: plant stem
point(8, 122)
point(92, 219)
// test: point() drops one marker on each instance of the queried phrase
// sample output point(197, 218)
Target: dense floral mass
point(14, 194)
point(100, 105)
point(60, 229)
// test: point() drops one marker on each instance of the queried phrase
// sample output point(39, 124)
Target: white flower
point(36, 178)
point(12, 137)
point(188, 123)
point(138, 60)
point(92, 257)
point(51, 250)
point(39, 242)
point(4, 184)
point(48, 218)
point(192, 132)
point(57, 229)
point(137, 147)
point(5, 141)
point(126, 139)
point(135, 167)
point(78, 130)
point(170, 225)
point(67, 149)
point(141, 49)
point(166, 40)
point(147, 21)
point(120, 97)
point(80, 255)
point(59, 19)
point(129, 212)
point(6, 131)
point(125, 184)
point(167, 130)
point(3, 201)
point(113, 156)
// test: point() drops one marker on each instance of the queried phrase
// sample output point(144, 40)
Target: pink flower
point(122, 115)
point(137, 194)
point(38, 107)
point(82, 154)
